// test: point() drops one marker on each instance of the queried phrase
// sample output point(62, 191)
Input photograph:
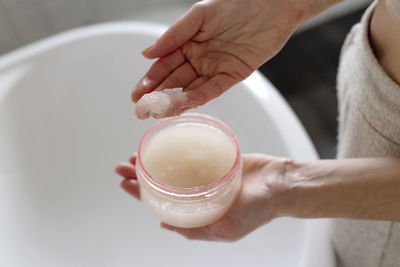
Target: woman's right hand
point(217, 44)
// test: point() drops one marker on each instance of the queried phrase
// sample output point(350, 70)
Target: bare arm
point(385, 36)
point(362, 188)
point(365, 188)
point(353, 188)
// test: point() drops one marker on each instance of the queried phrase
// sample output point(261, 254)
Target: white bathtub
point(66, 119)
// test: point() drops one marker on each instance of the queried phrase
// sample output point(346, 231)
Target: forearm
point(317, 6)
point(303, 10)
point(365, 188)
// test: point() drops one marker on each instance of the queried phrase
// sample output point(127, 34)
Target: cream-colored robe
point(369, 126)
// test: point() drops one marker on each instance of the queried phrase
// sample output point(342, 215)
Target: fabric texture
point(369, 126)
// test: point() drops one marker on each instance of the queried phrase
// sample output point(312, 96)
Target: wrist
point(315, 7)
point(304, 188)
point(287, 183)
point(298, 12)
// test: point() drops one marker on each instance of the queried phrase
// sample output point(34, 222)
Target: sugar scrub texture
point(185, 157)
point(159, 104)
point(189, 155)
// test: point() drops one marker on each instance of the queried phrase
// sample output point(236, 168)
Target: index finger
point(178, 34)
point(157, 73)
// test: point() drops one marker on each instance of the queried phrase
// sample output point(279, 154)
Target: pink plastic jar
point(189, 206)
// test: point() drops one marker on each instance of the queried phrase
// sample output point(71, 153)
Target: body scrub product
point(189, 170)
point(158, 104)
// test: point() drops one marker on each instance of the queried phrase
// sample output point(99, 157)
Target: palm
point(206, 53)
point(212, 65)
point(251, 209)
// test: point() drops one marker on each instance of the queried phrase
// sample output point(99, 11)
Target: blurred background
point(304, 71)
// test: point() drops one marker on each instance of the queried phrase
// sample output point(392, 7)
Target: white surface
point(25, 21)
point(66, 119)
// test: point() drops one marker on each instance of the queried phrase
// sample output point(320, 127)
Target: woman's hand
point(257, 204)
point(361, 188)
point(217, 44)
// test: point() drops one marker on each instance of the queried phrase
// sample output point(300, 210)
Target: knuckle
point(199, 6)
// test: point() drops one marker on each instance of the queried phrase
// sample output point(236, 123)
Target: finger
point(182, 106)
point(181, 77)
point(157, 73)
point(207, 90)
point(126, 170)
point(178, 34)
point(198, 82)
point(132, 158)
point(190, 233)
point(210, 89)
point(131, 187)
point(259, 158)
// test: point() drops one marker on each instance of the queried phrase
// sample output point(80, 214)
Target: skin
point(253, 207)
point(364, 188)
point(219, 43)
point(385, 40)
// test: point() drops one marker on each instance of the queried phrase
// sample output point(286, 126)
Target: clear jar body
point(189, 207)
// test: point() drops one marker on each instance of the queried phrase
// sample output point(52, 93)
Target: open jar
point(189, 170)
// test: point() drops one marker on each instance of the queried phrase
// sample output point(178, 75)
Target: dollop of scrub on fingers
point(160, 104)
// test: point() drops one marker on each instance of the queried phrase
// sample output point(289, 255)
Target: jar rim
point(190, 191)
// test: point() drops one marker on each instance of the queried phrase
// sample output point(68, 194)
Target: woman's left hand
point(257, 203)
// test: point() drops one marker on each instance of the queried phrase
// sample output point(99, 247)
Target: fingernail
point(141, 86)
point(145, 82)
point(147, 49)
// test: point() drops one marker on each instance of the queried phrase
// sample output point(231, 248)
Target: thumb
point(177, 35)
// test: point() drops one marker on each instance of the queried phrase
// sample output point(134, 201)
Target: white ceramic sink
point(66, 119)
